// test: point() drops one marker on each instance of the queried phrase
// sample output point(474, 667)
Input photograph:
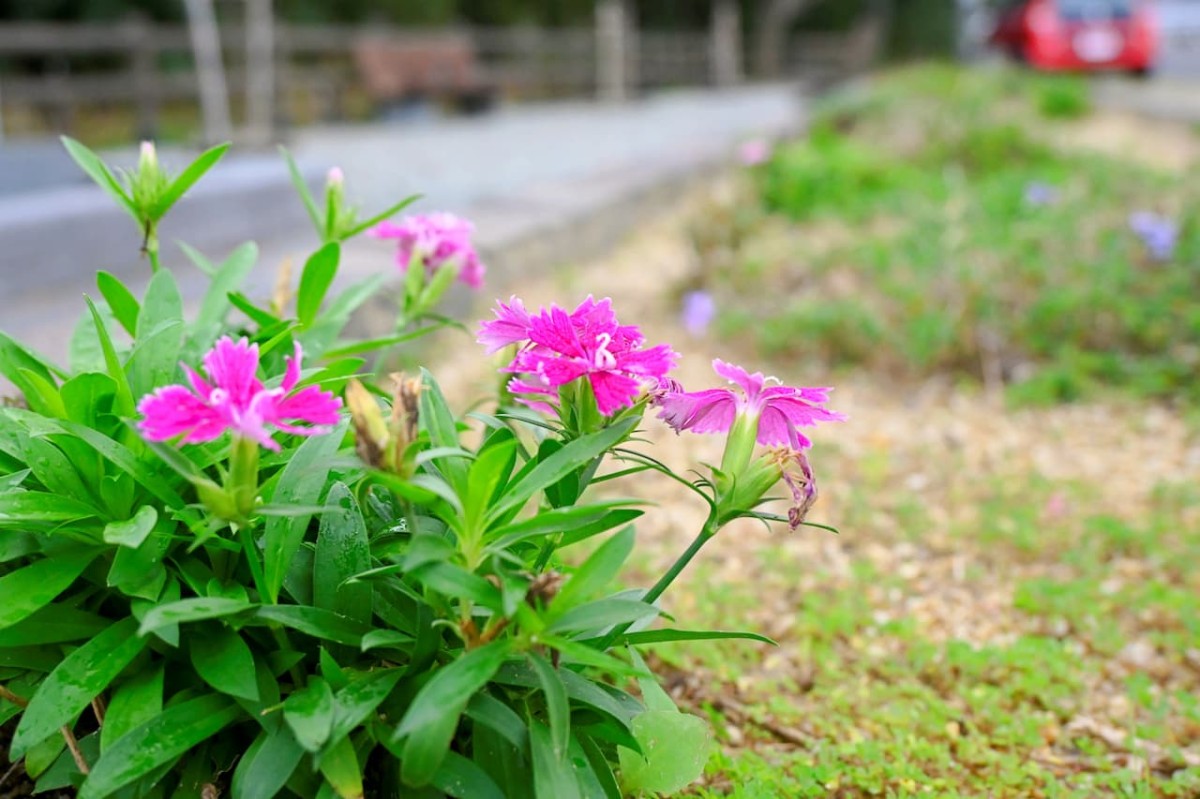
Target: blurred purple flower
point(699, 308)
point(1158, 233)
point(1038, 193)
point(754, 152)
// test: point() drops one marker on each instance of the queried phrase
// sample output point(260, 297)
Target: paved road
point(519, 173)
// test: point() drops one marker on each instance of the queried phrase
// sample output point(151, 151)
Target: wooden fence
point(51, 72)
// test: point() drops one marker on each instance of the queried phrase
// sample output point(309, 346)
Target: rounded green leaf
point(223, 660)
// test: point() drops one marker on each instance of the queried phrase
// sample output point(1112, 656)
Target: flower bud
point(370, 431)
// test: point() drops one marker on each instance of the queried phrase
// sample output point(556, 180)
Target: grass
point(905, 235)
point(1030, 648)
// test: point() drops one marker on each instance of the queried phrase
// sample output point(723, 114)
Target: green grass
point(899, 237)
point(889, 700)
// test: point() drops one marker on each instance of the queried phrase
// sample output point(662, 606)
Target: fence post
point(210, 71)
point(144, 65)
point(611, 33)
point(726, 44)
point(260, 72)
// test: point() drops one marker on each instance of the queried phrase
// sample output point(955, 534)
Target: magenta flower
point(558, 348)
point(439, 240)
point(780, 409)
point(233, 398)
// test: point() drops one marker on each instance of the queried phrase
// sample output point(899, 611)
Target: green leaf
point(134, 702)
point(462, 779)
point(223, 660)
point(123, 406)
point(309, 713)
point(87, 397)
point(191, 609)
point(600, 767)
point(268, 763)
point(301, 483)
point(596, 572)
point(42, 395)
point(553, 777)
point(373, 344)
point(675, 748)
point(36, 585)
point(382, 215)
point(489, 472)
point(96, 169)
point(491, 712)
point(173, 733)
point(432, 718)
point(339, 765)
point(302, 189)
point(572, 456)
point(455, 581)
point(132, 532)
point(81, 677)
point(436, 419)
point(27, 507)
point(259, 316)
point(557, 707)
point(667, 636)
point(615, 703)
point(226, 279)
point(316, 622)
point(17, 363)
point(358, 700)
point(187, 178)
point(53, 624)
point(120, 301)
point(600, 614)
point(342, 552)
point(315, 281)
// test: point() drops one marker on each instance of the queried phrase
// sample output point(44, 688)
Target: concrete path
point(543, 184)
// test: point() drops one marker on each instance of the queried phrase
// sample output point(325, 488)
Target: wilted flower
point(699, 308)
point(380, 443)
point(439, 241)
point(233, 398)
point(754, 152)
point(797, 475)
point(559, 348)
point(1038, 193)
point(1158, 233)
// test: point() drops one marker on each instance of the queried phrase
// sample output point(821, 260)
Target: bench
point(400, 71)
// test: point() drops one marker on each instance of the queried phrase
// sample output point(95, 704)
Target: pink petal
point(654, 362)
point(710, 411)
point(775, 429)
point(560, 371)
point(511, 326)
point(174, 411)
point(232, 367)
point(292, 376)
point(310, 404)
point(553, 329)
point(199, 384)
point(613, 391)
point(752, 384)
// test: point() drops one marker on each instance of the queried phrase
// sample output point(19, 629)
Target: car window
point(1083, 10)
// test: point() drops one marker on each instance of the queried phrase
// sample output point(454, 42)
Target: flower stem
point(250, 549)
point(708, 531)
point(664, 582)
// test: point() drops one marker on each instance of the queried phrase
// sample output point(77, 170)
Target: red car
point(1080, 35)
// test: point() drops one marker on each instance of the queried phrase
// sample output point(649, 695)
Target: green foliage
point(316, 621)
point(921, 249)
point(1063, 97)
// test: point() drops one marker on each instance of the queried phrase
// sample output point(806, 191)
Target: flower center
point(604, 359)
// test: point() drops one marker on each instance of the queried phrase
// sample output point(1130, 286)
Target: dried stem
point(99, 709)
point(9, 696)
point(73, 745)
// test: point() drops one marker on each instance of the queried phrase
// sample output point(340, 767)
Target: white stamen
point(604, 358)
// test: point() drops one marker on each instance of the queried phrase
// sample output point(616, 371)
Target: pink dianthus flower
point(233, 398)
point(559, 347)
point(439, 240)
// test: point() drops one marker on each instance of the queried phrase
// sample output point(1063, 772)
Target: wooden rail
point(54, 70)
